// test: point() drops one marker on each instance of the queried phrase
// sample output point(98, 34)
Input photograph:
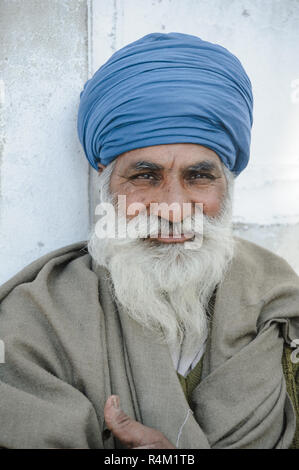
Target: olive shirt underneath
point(291, 374)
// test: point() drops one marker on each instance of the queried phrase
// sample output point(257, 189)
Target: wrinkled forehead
point(169, 157)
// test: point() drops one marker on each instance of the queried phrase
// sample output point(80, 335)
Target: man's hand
point(132, 434)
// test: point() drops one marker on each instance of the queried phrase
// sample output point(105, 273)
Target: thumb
point(127, 430)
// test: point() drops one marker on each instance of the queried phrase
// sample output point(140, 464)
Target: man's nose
point(172, 203)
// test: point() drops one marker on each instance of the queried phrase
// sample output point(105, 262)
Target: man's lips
point(171, 238)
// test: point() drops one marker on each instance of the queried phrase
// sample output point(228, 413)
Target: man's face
point(162, 285)
point(171, 173)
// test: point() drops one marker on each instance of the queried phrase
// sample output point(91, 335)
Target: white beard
point(166, 288)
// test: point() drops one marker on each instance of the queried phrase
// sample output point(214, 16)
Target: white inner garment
point(184, 361)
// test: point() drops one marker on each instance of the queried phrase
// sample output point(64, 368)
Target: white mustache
point(144, 226)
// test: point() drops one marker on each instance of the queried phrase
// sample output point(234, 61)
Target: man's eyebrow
point(205, 165)
point(145, 165)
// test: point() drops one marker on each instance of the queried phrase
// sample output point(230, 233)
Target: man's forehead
point(198, 157)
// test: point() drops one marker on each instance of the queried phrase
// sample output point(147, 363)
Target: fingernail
point(116, 402)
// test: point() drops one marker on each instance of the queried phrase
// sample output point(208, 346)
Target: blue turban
point(165, 89)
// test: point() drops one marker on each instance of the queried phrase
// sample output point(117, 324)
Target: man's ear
point(100, 168)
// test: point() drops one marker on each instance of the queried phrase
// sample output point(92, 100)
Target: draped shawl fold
point(163, 89)
point(68, 347)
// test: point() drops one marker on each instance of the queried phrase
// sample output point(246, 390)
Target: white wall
point(264, 34)
point(44, 200)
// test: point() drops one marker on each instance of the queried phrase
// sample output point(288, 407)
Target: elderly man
point(178, 336)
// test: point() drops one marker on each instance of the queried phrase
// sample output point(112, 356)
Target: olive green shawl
point(291, 374)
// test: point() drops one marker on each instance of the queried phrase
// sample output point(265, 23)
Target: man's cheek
point(136, 201)
point(212, 202)
point(211, 207)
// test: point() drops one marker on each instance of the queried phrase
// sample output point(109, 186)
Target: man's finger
point(127, 430)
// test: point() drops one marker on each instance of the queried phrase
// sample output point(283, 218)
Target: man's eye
point(201, 176)
point(146, 176)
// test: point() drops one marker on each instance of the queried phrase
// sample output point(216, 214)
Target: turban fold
point(167, 88)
